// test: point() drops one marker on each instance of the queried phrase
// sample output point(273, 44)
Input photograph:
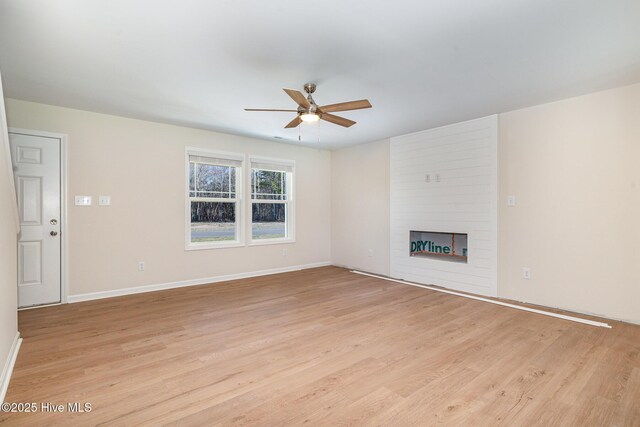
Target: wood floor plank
point(320, 347)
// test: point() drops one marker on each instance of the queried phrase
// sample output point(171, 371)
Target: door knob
point(54, 233)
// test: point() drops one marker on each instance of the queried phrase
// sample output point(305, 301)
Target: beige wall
point(360, 207)
point(8, 249)
point(141, 166)
point(574, 168)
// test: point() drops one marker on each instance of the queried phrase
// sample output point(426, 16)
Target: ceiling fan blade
point(294, 123)
point(346, 106)
point(298, 97)
point(337, 120)
point(269, 109)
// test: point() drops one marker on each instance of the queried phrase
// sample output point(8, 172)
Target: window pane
point(268, 221)
point(213, 221)
point(212, 181)
point(268, 185)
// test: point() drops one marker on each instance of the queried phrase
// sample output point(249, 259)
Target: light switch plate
point(83, 200)
point(511, 200)
point(104, 200)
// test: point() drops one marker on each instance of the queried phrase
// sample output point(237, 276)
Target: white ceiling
point(421, 63)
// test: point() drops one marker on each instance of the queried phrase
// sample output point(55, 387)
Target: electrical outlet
point(437, 177)
point(427, 178)
point(140, 265)
point(526, 273)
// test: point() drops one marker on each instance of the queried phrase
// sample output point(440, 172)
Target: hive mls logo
point(77, 407)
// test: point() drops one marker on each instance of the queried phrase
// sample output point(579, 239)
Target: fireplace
point(445, 246)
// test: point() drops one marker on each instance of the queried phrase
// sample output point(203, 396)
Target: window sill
point(192, 247)
point(271, 242)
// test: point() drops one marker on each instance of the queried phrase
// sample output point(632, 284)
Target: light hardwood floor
point(321, 347)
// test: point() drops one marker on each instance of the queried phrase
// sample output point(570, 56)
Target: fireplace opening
point(438, 245)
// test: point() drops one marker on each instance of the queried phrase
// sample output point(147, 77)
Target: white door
point(36, 165)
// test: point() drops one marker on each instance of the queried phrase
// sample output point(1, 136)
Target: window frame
point(239, 199)
point(289, 203)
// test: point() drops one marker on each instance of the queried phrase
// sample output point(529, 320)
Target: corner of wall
point(360, 207)
point(9, 227)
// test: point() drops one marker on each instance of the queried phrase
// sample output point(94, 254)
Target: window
point(272, 208)
point(214, 209)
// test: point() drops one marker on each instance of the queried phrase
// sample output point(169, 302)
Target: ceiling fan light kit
point(309, 117)
point(308, 111)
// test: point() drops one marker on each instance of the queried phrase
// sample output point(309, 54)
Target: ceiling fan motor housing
point(309, 88)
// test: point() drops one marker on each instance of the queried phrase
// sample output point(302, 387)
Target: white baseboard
point(193, 282)
point(8, 366)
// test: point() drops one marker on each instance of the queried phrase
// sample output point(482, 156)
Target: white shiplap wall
point(465, 155)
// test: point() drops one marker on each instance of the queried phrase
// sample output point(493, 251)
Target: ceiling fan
point(309, 111)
